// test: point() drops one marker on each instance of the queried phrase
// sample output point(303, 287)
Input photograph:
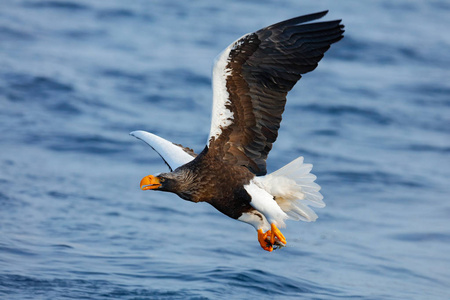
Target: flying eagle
point(251, 79)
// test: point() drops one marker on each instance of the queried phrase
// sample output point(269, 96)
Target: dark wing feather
point(259, 70)
point(187, 150)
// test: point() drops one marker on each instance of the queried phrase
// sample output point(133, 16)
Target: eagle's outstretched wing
point(251, 79)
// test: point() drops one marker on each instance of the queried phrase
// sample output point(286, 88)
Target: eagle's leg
point(264, 240)
point(275, 232)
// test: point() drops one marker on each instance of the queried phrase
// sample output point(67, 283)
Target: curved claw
point(264, 240)
point(275, 232)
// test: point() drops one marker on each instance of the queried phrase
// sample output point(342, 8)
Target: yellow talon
point(271, 238)
point(264, 240)
point(276, 233)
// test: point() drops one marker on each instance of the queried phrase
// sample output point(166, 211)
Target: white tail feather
point(294, 189)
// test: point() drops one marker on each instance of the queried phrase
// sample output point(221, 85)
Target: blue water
point(374, 118)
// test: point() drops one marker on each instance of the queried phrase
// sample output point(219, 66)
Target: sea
point(77, 76)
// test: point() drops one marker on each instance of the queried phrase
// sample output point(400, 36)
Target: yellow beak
point(150, 182)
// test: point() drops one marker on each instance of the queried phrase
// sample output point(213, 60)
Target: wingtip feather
point(299, 20)
point(136, 133)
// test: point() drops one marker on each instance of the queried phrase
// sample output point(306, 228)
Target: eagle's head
point(180, 182)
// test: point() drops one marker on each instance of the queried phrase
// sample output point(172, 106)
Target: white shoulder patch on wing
point(221, 116)
point(173, 155)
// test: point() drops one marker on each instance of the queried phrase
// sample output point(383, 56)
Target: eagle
point(251, 79)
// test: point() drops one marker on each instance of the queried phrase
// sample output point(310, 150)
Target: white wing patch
point(221, 116)
point(173, 155)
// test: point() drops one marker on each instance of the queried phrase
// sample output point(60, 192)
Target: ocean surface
point(374, 118)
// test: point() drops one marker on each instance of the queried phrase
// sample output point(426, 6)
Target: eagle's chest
point(232, 204)
point(222, 186)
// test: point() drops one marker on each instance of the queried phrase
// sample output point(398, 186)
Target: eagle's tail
point(294, 190)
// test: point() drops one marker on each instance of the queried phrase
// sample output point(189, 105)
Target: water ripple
point(59, 5)
point(343, 110)
point(437, 237)
point(93, 144)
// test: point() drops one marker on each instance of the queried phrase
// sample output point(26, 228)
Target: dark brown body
point(209, 179)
